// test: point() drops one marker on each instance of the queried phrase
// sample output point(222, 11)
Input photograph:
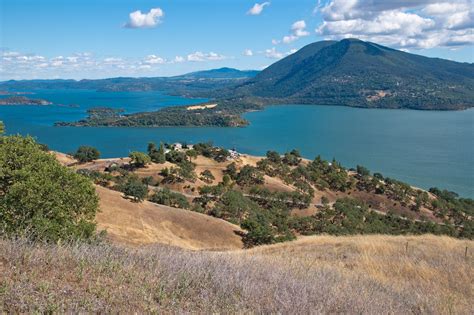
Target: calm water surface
point(424, 148)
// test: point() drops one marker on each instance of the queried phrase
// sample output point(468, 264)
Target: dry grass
point(362, 274)
point(142, 223)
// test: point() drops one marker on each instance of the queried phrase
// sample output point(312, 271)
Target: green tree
point(258, 229)
point(169, 198)
point(156, 155)
point(192, 154)
point(362, 171)
point(207, 177)
point(2, 128)
point(231, 170)
point(86, 154)
point(135, 188)
point(40, 198)
point(274, 157)
point(139, 159)
point(249, 176)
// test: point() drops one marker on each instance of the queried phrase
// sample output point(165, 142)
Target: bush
point(86, 154)
point(40, 198)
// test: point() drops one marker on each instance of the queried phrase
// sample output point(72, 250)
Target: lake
point(423, 148)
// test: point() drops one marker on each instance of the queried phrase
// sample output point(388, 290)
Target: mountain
point(363, 74)
point(221, 73)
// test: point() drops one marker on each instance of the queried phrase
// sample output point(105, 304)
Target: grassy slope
point(142, 223)
point(359, 274)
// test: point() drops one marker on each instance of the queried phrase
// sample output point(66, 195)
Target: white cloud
point(297, 30)
point(153, 60)
point(178, 59)
point(137, 19)
point(257, 8)
point(272, 53)
point(402, 23)
point(248, 52)
point(200, 56)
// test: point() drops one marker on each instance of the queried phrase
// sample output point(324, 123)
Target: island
point(22, 100)
point(222, 114)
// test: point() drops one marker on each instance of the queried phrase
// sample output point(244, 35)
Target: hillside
point(187, 84)
point(221, 73)
point(273, 199)
point(359, 274)
point(363, 74)
point(144, 223)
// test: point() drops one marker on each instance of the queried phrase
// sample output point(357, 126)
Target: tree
point(324, 200)
point(362, 171)
point(156, 155)
point(192, 154)
point(169, 198)
point(258, 229)
point(2, 128)
point(86, 154)
point(206, 176)
point(274, 157)
point(139, 159)
point(40, 198)
point(231, 170)
point(249, 176)
point(135, 188)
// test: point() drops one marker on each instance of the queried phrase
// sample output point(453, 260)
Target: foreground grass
point(361, 274)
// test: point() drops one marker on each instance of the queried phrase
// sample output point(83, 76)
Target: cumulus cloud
point(248, 52)
point(200, 56)
point(154, 60)
point(18, 65)
point(297, 30)
point(257, 8)
point(179, 59)
point(273, 53)
point(137, 19)
point(403, 23)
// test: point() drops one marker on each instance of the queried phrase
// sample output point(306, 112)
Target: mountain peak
point(353, 72)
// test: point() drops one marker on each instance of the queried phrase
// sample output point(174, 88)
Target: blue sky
point(95, 39)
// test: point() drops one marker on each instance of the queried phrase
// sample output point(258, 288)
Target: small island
point(222, 114)
point(22, 100)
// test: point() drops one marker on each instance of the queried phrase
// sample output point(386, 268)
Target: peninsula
point(22, 100)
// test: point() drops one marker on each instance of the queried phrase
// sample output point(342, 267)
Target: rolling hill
point(363, 74)
point(130, 223)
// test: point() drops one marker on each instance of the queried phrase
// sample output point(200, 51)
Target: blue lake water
point(424, 148)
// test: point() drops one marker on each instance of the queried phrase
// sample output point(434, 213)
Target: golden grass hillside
point(321, 274)
point(142, 223)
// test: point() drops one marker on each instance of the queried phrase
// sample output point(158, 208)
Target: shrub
point(40, 198)
point(86, 154)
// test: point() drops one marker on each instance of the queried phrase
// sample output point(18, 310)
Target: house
point(234, 154)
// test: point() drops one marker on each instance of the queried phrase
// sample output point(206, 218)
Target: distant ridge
point(221, 73)
point(363, 74)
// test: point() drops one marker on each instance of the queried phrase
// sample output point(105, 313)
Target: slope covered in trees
point(363, 74)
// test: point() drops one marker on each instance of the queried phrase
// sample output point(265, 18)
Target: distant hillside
point(362, 74)
point(186, 84)
point(221, 73)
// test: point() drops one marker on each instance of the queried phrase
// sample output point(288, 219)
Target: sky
point(77, 39)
